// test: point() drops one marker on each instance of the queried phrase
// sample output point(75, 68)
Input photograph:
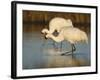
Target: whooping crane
point(56, 24)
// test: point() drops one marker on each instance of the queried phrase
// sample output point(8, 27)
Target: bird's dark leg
point(73, 48)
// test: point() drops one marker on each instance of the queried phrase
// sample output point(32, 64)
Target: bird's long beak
point(46, 38)
point(45, 35)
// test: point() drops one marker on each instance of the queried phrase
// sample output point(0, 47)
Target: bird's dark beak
point(46, 38)
point(44, 34)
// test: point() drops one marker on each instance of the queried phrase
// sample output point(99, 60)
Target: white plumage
point(73, 35)
point(56, 24)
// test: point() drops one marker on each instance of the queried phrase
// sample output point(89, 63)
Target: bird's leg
point(74, 48)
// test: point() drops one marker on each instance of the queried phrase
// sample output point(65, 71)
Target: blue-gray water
point(40, 53)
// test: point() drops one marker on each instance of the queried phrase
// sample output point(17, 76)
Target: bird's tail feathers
point(86, 39)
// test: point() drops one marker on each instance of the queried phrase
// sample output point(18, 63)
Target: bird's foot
point(65, 54)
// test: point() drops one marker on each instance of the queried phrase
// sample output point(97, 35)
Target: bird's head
point(44, 31)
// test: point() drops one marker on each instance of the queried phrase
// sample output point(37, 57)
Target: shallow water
point(41, 53)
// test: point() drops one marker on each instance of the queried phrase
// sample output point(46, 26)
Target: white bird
point(56, 24)
point(71, 34)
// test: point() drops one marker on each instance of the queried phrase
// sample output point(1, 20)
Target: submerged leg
point(74, 48)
